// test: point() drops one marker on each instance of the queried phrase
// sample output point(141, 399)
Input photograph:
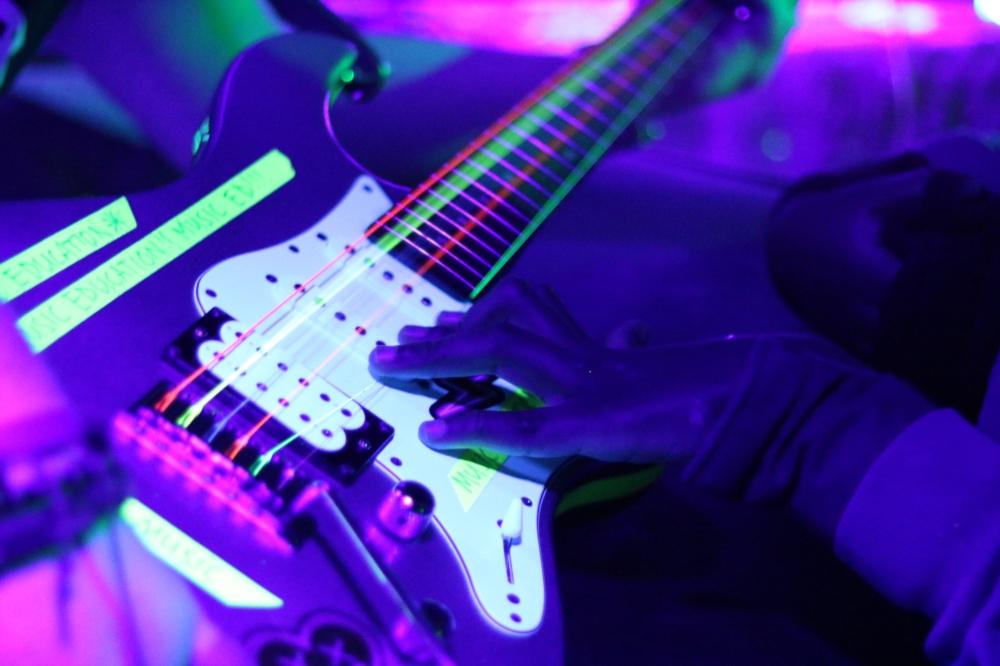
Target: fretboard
point(462, 226)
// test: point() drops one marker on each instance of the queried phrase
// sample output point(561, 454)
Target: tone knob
point(407, 510)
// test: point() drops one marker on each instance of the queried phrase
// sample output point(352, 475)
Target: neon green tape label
point(63, 312)
point(193, 561)
point(48, 257)
point(472, 472)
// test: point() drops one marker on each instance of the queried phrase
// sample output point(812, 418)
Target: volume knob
point(407, 510)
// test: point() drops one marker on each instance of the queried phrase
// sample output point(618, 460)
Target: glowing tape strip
point(63, 312)
point(46, 258)
point(472, 472)
point(189, 558)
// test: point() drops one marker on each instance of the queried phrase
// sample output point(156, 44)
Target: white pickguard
point(356, 289)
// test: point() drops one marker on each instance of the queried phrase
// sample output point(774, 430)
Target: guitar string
point(426, 267)
point(505, 122)
point(415, 231)
point(460, 192)
point(492, 250)
point(634, 108)
point(489, 173)
point(515, 150)
point(169, 397)
point(427, 220)
point(386, 306)
point(563, 137)
point(200, 406)
point(513, 169)
point(522, 237)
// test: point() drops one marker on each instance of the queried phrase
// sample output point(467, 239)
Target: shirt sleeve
point(804, 429)
point(924, 529)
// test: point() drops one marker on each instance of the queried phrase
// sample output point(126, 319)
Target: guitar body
point(273, 98)
point(269, 467)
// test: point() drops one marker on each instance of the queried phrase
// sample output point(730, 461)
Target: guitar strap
point(370, 71)
point(23, 24)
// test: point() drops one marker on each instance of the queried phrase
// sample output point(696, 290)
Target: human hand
point(635, 405)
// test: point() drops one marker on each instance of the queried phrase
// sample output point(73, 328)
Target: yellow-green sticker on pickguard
point(472, 473)
point(72, 306)
point(47, 258)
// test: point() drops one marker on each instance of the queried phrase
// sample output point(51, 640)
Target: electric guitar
point(269, 467)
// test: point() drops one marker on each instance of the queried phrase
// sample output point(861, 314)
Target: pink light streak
point(561, 27)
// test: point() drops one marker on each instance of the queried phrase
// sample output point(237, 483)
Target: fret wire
point(662, 48)
point(456, 188)
point(557, 111)
point(551, 128)
point(490, 193)
point(510, 167)
point(569, 118)
point(533, 140)
point(446, 235)
point(632, 33)
point(414, 230)
point(480, 206)
point(422, 251)
point(583, 105)
point(617, 79)
point(507, 187)
point(634, 65)
point(482, 223)
point(597, 90)
point(665, 33)
point(651, 85)
point(541, 124)
point(509, 120)
point(437, 213)
point(530, 160)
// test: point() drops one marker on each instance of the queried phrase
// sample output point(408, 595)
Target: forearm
point(924, 529)
point(804, 428)
point(908, 494)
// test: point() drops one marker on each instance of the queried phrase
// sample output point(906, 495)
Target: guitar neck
point(465, 223)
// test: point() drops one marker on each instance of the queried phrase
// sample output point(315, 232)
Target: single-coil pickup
point(297, 397)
